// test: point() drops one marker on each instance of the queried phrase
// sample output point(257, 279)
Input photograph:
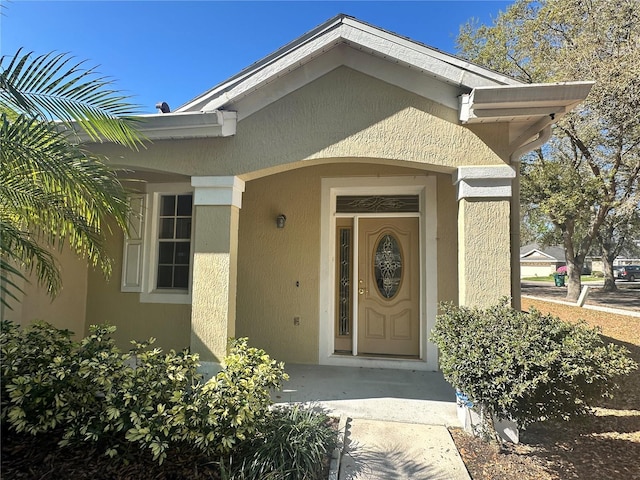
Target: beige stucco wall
point(169, 324)
point(87, 298)
point(67, 309)
point(484, 260)
point(344, 114)
point(214, 280)
point(279, 269)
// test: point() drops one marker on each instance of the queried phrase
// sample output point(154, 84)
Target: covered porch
point(407, 396)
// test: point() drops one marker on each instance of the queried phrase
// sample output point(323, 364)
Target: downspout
point(543, 137)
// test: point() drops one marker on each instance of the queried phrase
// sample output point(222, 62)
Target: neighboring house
point(537, 261)
point(629, 256)
point(393, 164)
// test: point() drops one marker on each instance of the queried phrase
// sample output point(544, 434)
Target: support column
point(217, 202)
point(484, 234)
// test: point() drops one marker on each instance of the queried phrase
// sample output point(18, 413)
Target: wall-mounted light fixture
point(280, 221)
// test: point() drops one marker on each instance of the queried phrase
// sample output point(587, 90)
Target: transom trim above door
point(378, 288)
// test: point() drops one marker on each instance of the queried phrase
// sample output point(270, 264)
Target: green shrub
point(526, 367)
point(290, 445)
point(147, 399)
point(36, 380)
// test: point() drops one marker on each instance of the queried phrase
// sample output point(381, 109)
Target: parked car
point(627, 272)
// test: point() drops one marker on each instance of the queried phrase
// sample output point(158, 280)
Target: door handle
point(361, 291)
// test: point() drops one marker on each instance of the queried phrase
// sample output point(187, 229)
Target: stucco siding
point(67, 309)
point(344, 114)
point(169, 324)
point(484, 254)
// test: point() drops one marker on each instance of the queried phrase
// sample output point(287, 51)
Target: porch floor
point(372, 393)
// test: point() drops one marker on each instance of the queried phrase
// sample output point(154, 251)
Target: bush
point(290, 445)
point(147, 399)
point(526, 367)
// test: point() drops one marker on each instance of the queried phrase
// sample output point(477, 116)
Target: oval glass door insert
point(388, 266)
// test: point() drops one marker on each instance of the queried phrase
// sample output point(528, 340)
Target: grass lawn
point(583, 278)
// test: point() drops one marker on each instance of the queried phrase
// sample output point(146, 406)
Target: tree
point(592, 166)
point(54, 192)
point(617, 235)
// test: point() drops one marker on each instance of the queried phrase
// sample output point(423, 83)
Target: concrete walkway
point(396, 419)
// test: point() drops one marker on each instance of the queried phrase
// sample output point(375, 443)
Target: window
point(157, 259)
point(174, 242)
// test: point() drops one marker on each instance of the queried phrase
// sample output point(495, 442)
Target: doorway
point(378, 296)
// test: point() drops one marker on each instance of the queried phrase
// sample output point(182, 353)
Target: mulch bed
point(25, 457)
point(606, 446)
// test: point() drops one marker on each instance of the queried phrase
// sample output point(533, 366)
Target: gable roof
point(534, 252)
point(345, 30)
point(476, 94)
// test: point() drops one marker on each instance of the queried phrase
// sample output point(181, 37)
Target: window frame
point(148, 291)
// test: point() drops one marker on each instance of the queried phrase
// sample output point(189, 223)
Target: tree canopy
point(52, 190)
point(589, 171)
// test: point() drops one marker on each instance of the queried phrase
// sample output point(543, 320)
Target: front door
point(388, 287)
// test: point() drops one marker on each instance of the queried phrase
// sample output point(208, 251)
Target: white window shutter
point(133, 253)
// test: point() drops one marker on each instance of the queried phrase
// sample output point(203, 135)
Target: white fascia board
point(343, 55)
point(283, 65)
point(464, 72)
point(510, 102)
point(163, 126)
point(188, 125)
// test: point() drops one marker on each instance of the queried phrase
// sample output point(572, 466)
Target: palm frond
point(56, 191)
point(7, 286)
point(17, 246)
point(52, 87)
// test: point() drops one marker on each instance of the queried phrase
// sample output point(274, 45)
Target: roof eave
point(180, 125)
point(510, 102)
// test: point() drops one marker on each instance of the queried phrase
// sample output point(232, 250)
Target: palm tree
point(54, 192)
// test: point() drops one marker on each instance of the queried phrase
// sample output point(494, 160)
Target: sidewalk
point(377, 450)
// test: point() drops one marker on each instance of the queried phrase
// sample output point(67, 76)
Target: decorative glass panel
point(377, 203)
point(388, 266)
point(344, 286)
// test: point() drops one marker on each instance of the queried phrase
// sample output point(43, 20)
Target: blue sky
point(174, 50)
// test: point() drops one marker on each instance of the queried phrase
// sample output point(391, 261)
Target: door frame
point(425, 188)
